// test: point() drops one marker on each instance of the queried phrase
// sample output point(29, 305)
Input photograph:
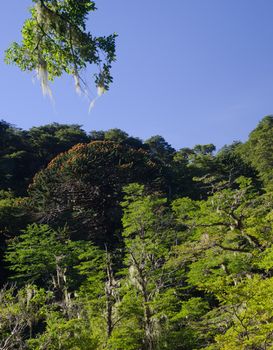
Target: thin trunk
point(149, 341)
point(110, 286)
point(148, 327)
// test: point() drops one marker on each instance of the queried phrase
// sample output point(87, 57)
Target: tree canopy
point(123, 244)
point(55, 40)
point(83, 186)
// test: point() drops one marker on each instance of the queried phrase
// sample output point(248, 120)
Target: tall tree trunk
point(110, 286)
point(148, 326)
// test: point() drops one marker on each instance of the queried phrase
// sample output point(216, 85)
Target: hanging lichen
point(78, 87)
point(55, 41)
point(42, 75)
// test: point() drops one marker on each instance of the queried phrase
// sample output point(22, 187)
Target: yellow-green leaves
point(55, 41)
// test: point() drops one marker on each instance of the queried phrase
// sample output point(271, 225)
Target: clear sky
point(193, 71)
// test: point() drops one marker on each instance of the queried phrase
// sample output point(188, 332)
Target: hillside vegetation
point(111, 242)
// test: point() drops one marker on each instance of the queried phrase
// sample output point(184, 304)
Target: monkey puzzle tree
point(83, 187)
point(55, 41)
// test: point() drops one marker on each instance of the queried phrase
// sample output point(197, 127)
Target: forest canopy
point(111, 242)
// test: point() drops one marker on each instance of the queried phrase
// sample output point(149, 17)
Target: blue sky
point(193, 71)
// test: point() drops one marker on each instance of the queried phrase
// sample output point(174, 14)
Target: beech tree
point(55, 41)
point(148, 236)
point(258, 150)
point(20, 312)
point(228, 258)
point(47, 257)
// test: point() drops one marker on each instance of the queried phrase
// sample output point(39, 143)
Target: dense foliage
point(108, 242)
point(55, 41)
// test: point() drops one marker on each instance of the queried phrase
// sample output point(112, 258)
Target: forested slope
point(111, 242)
